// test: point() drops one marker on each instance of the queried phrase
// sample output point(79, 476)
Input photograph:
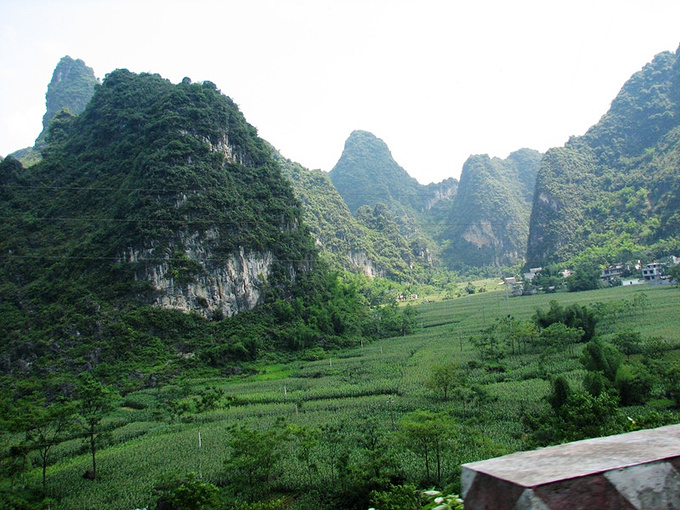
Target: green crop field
point(344, 395)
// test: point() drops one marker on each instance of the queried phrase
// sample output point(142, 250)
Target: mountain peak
point(367, 174)
point(71, 87)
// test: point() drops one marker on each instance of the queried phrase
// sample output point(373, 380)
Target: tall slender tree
point(45, 427)
point(95, 402)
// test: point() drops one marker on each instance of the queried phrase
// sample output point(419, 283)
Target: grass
point(383, 380)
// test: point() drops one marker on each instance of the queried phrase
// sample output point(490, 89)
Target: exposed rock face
point(219, 287)
point(361, 261)
point(489, 219)
point(443, 191)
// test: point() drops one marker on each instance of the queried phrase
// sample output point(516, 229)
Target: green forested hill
point(152, 167)
point(155, 217)
point(614, 191)
point(356, 244)
point(488, 223)
point(366, 175)
point(483, 220)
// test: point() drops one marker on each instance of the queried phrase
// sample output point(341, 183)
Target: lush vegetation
point(369, 243)
point(366, 175)
point(369, 425)
point(488, 224)
point(611, 195)
point(155, 177)
point(323, 392)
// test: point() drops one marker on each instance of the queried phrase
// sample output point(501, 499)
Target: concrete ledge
point(638, 470)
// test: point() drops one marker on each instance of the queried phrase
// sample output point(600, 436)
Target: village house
point(653, 272)
point(532, 272)
point(611, 272)
point(514, 286)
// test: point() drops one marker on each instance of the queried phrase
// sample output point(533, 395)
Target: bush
point(397, 497)
point(139, 401)
point(634, 384)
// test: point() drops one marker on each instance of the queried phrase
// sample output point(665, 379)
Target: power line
point(178, 220)
point(123, 259)
point(196, 190)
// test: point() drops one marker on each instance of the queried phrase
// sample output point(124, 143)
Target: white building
point(653, 272)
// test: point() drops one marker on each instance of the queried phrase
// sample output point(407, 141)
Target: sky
point(437, 80)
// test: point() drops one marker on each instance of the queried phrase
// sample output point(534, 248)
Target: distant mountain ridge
point(367, 174)
point(346, 241)
point(481, 220)
point(615, 186)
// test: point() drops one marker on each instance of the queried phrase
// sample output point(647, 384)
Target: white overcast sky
point(437, 80)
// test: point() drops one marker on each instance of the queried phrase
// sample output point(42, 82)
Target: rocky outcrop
point(443, 191)
point(71, 87)
point(360, 261)
point(193, 280)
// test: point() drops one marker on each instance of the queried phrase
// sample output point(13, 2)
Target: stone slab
point(581, 458)
point(634, 471)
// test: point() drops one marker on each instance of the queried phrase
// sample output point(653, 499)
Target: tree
point(674, 273)
point(574, 316)
point(559, 337)
point(560, 393)
point(373, 463)
point(596, 383)
point(488, 345)
point(585, 416)
point(254, 456)
point(628, 342)
point(634, 384)
point(95, 401)
point(672, 382)
point(409, 320)
point(306, 441)
point(601, 357)
point(549, 278)
point(585, 277)
point(45, 427)
point(640, 301)
point(443, 378)
point(427, 434)
point(525, 333)
point(188, 493)
point(581, 416)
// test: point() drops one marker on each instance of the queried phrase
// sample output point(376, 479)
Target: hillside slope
point(346, 242)
point(155, 216)
point(488, 223)
point(169, 184)
point(615, 189)
point(366, 175)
